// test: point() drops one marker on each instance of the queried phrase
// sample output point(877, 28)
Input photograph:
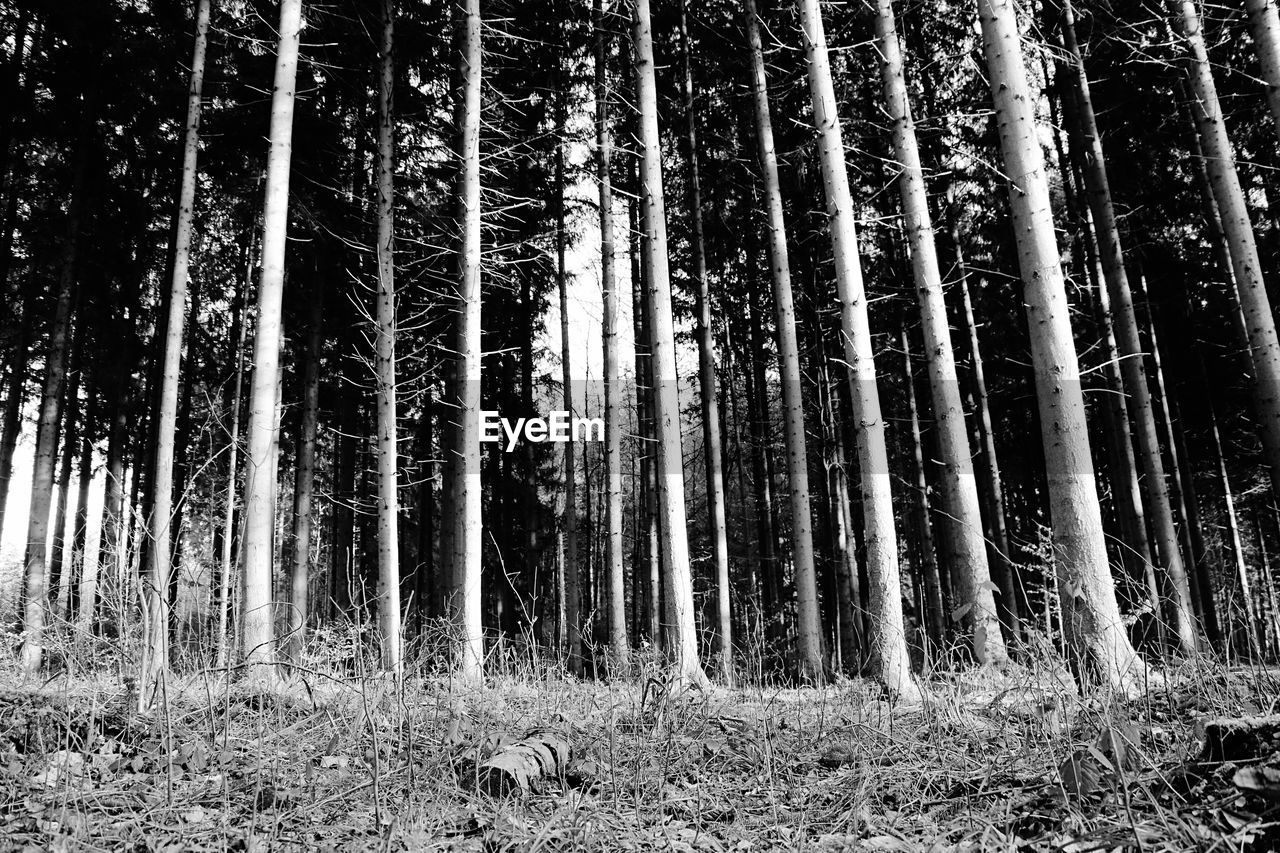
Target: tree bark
point(1091, 617)
point(959, 484)
point(467, 497)
point(613, 568)
point(890, 662)
point(257, 618)
point(304, 485)
point(385, 362)
point(233, 450)
point(935, 611)
point(682, 650)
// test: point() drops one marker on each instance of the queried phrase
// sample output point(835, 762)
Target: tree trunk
point(1264, 26)
point(70, 440)
point(385, 362)
point(263, 431)
point(304, 485)
point(467, 497)
point(569, 521)
point(682, 650)
point(808, 628)
point(11, 425)
point(233, 451)
point(1235, 544)
point(711, 438)
point(890, 662)
point(1091, 617)
point(35, 593)
point(613, 569)
point(160, 521)
point(1225, 183)
point(935, 611)
point(1138, 394)
point(80, 529)
point(959, 485)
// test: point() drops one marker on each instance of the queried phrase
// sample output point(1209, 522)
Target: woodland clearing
point(326, 761)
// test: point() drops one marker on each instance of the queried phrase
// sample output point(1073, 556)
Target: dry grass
point(334, 762)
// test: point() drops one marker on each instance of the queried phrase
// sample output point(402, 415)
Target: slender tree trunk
point(711, 438)
point(11, 424)
point(809, 633)
point(70, 441)
point(467, 497)
point(35, 592)
point(1091, 616)
point(959, 484)
point(1264, 26)
point(257, 622)
point(1235, 544)
point(682, 649)
point(1138, 394)
point(162, 515)
point(233, 451)
point(111, 568)
point(1241, 243)
point(935, 611)
point(304, 485)
point(569, 521)
point(613, 569)
point(385, 362)
point(1269, 582)
point(80, 529)
point(890, 662)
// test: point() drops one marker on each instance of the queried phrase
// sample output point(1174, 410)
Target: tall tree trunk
point(304, 485)
point(257, 618)
point(808, 628)
point(233, 451)
point(1241, 243)
point(959, 485)
point(1138, 394)
point(890, 662)
point(111, 567)
point(935, 611)
point(569, 521)
point(15, 399)
point(710, 403)
point(160, 520)
point(1264, 26)
point(35, 592)
point(1091, 617)
point(613, 569)
point(80, 528)
point(1235, 544)
point(682, 649)
point(385, 361)
point(467, 545)
point(70, 441)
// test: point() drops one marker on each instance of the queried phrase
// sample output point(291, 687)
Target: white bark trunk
point(1090, 613)
point(160, 523)
point(890, 662)
point(1264, 25)
point(385, 361)
point(959, 485)
point(466, 547)
point(257, 622)
point(682, 649)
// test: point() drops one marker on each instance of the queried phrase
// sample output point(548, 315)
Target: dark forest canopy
point(921, 333)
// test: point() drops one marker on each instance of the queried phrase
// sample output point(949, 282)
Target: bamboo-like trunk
point(890, 663)
point(682, 650)
point(959, 485)
point(257, 617)
point(613, 568)
point(385, 362)
point(710, 404)
point(466, 498)
point(1091, 617)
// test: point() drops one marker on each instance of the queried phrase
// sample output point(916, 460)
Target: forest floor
point(990, 761)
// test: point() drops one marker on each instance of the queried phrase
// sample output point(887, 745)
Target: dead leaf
point(1080, 773)
point(1261, 779)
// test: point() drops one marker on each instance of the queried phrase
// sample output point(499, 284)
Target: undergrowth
point(334, 758)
